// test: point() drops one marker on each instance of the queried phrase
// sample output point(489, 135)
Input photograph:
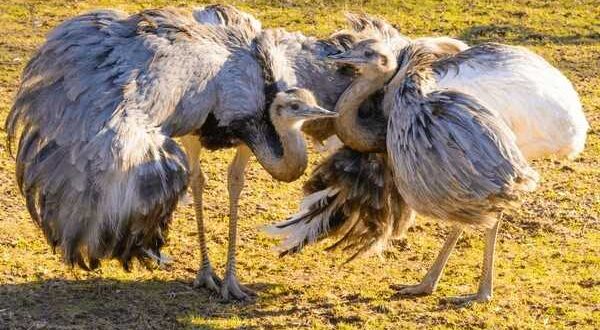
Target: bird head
point(370, 57)
point(296, 105)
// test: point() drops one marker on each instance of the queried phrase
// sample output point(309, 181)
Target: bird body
point(96, 161)
point(351, 196)
point(98, 109)
point(453, 159)
point(536, 101)
point(452, 151)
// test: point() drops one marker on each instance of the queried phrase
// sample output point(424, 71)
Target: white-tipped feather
point(297, 233)
point(161, 259)
point(314, 198)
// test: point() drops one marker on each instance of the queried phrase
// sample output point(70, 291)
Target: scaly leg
point(231, 287)
point(431, 279)
point(485, 291)
point(206, 276)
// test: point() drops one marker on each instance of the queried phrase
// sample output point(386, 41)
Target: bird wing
point(453, 158)
point(244, 23)
point(537, 102)
point(367, 26)
point(97, 105)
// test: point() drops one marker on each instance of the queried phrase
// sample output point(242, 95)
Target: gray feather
point(230, 17)
point(452, 158)
point(358, 206)
point(98, 105)
point(101, 101)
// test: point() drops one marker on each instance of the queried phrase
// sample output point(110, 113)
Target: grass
point(548, 256)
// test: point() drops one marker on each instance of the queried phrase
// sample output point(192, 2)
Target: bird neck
point(281, 150)
point(350, 129)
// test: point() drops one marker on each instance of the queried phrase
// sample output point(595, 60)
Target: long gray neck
point(281, 150)
point(279, 147)
point(349, 128)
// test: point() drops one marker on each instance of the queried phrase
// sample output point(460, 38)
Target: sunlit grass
point(548, 254)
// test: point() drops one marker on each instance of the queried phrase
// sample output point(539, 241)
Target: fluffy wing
point(349, 196)
point(538, 102)
point(97, 106)
point(367, 26)
point(454, 159)
point(230, 17)
point(442, 46)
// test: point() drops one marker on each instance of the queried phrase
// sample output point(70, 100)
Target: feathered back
point(96, 106)
point(349, 196)
point(247, 25)
point(301, 63)
point(535, 99)
point(269, 49)
point(452, 157)
point(367, 26)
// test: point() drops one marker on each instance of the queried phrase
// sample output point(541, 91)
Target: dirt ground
point(548, 267)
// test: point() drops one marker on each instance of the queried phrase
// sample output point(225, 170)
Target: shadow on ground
point(151, 304)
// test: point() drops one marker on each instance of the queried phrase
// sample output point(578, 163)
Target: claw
point(233, 290)
point(206, 278)
point(421, 289)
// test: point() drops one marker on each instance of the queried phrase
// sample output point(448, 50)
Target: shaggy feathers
point(452, 158)
point(537, 102)
point(100, 102)
point(97, 175)
point(349, 196)
point(98, 105)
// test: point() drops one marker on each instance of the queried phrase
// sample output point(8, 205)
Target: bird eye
point(369, 53)
point(295, 106)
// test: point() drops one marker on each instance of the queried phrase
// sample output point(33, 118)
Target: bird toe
point(206, 278)
point(421, 289)
point(233, 290)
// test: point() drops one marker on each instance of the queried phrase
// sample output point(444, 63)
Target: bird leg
point(206, 276)
point(431, 279)
point(231, 288)
point(485, 291)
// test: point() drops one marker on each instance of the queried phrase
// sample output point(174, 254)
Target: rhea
point(348, 195)
point(99, 107)
point(452, 157)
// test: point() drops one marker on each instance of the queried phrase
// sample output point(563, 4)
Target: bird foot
point(206, 278)
point(233, 290)
point(421, 289)
point(467, 300)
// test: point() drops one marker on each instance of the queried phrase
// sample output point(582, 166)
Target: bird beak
point(318, 112)
point(345, 58)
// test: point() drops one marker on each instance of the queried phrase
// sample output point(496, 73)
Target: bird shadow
point(117, 304)
point(507, 33)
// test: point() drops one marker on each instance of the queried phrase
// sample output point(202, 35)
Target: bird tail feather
point(351, 197)
point(111, 197)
